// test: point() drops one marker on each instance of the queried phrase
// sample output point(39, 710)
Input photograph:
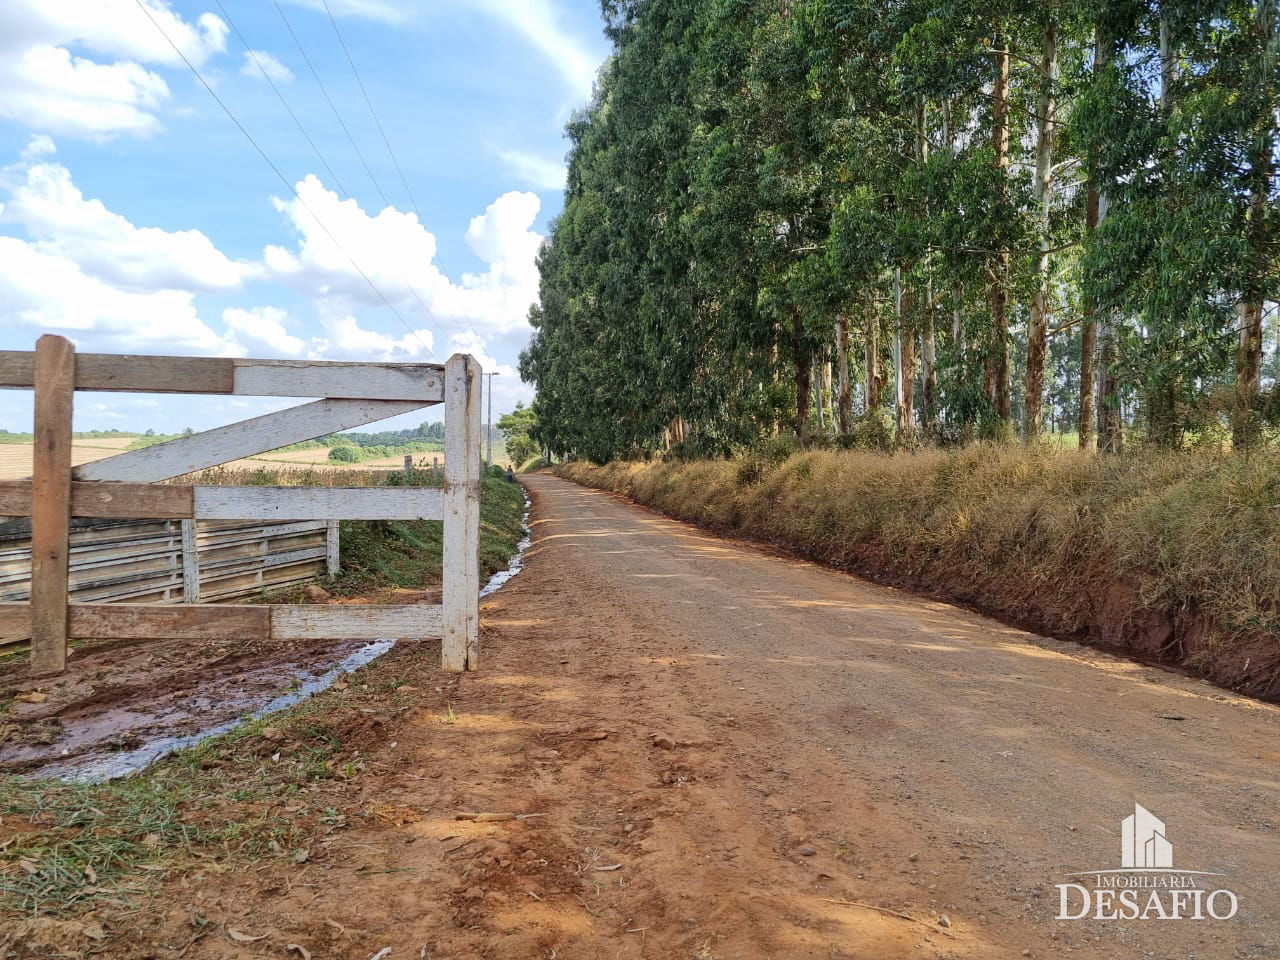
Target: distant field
point(15, 459)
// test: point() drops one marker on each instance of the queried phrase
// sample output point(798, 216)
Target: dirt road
point(846, 767)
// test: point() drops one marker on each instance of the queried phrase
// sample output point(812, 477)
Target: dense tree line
point(915, 221)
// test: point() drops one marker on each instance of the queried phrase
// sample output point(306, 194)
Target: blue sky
point(136, 217)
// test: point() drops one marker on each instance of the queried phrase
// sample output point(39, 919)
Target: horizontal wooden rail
point(127, 501)
point(162, 621)
point(252, 378)
point(244, 439)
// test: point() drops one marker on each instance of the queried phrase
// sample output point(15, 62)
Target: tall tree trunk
point(1038, 334)
point(819, 396)
point(1249, 352)
point(1089, 332)
point(874, 381)
point(929, 370)
point(1110, 424)
point(842, 370)
point(929, 379)
point(904, 361)
point(776, 427)
point(828, 395)
point(998, 370)
point(804, 378)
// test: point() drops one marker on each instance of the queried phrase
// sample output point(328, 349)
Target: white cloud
point(43, 291)
point(86, 271)
point(395, 251)
point(60, 220)
point(348, 340)
point(44, 86)
point(535, 171)
point(263, 328)
point(259, 63)
point(544, 28)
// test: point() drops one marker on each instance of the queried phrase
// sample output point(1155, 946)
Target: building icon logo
point(1146, 886)
point(1142, 842)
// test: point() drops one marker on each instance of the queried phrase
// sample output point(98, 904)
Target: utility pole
point(489, 431)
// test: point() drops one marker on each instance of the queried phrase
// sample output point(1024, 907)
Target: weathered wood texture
point(50, 510)
point(147, 561)
point(190, 563)
point(302, 622)
point(460, 647)
point(129, 501)
point(333, 546)
point(253, 378)
point(143, 621)
point(318, 503)
point(245, 439)
point(124, 501)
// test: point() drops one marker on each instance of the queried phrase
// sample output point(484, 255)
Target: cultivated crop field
point(15, 459)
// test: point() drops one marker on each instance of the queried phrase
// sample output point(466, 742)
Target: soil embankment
point(1168, 558)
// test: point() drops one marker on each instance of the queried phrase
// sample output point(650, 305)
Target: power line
point(341, 189)
point(338, 116)
point(390, 152)
point(266, 76)
point(332, 106)
point(373, 113)
point(283, 179)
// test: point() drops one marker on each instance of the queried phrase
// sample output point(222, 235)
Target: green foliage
point(518, 427)
point(748, 171)
point(347, 453)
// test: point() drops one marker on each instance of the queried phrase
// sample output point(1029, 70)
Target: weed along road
point(678, 746)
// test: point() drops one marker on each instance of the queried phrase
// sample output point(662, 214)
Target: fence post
point(190, 563)
point(55, 383)
point(408, 466)
point(459, 648)
point(331, 545)
point(435, 469)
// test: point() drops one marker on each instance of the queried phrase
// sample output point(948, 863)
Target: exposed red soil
point(720, 753)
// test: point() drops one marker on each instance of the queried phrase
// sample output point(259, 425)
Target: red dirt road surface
point(730, 754)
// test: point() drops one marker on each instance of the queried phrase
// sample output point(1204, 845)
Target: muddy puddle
point(122, 706)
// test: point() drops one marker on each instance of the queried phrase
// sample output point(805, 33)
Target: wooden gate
point(128, 486)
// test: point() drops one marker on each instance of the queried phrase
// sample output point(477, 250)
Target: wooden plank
point(460, 647)
point(246, 377)
point(332, 548)
point(190, 563)
point(318, 503)
point(322, 622)
point(133, 373)
point(313, 378)
point(157, 621)
point(245, 439)
point(127, 621)
point(117, 500)
point(50, 501)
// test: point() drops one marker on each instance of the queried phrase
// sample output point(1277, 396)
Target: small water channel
point(299, 684)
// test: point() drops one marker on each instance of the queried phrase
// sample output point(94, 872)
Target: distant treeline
point(7, 436)
point(423, 438)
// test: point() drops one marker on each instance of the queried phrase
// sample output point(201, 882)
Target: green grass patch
point(409, 553)
point(269, 789)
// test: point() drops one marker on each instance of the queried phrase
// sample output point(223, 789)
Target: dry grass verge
point(1174, 557)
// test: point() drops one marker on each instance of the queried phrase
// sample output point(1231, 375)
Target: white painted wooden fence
point(125, 486)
